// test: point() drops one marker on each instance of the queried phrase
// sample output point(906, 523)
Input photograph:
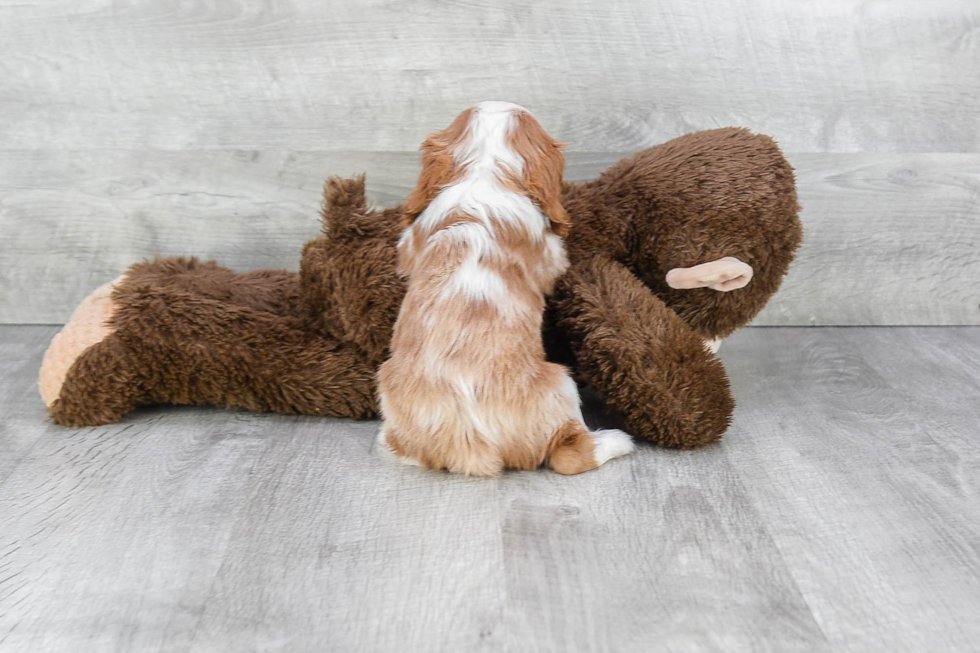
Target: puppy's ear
point(437, 170)
point(438, 166)
point(544, 165)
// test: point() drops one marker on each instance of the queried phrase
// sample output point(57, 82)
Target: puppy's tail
point(574, 449)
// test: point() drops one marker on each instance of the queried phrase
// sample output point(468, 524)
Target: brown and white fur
point(467, 387)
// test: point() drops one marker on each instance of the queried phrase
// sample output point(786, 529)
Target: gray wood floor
point(841, 513)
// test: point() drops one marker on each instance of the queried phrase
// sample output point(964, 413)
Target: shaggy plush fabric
point(349, 288)
point(190, 332)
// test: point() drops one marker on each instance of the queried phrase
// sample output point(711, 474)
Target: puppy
point(467, 387)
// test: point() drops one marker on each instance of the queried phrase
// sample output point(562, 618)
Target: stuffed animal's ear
point(438, 166)
point(544, 165)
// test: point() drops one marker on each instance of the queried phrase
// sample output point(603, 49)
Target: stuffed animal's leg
point(165, 344)
point(271, 291)
point(644, 360)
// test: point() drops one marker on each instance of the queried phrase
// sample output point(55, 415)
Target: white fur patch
point(569, 392)
point(556, 259)
point(472, 411)
point(405, 245)
point(386, 451)
point(477, 282)
point(476, 237)
point(490, 126)
point(472, 279)
point(611, 443)
point(477, 195)
point(713, 345)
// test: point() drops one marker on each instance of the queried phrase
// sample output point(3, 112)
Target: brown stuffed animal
point(671, 250)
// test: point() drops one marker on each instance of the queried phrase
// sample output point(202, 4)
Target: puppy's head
point(506, 137)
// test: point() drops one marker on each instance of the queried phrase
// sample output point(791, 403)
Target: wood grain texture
point(841, 513)
point(666, 553)
point(76, 220)
point(357, 558)
point(889, 239)
point(846, 76)
point(19, 426)
point(859, 449)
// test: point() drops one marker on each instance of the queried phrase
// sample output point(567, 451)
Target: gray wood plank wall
point(157, 126)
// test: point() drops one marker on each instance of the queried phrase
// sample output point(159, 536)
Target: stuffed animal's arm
point(644, 360)
point(349, 286)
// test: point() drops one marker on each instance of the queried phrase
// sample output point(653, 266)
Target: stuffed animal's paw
point(724, 275)
point(340, 192)
point(89, 325)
